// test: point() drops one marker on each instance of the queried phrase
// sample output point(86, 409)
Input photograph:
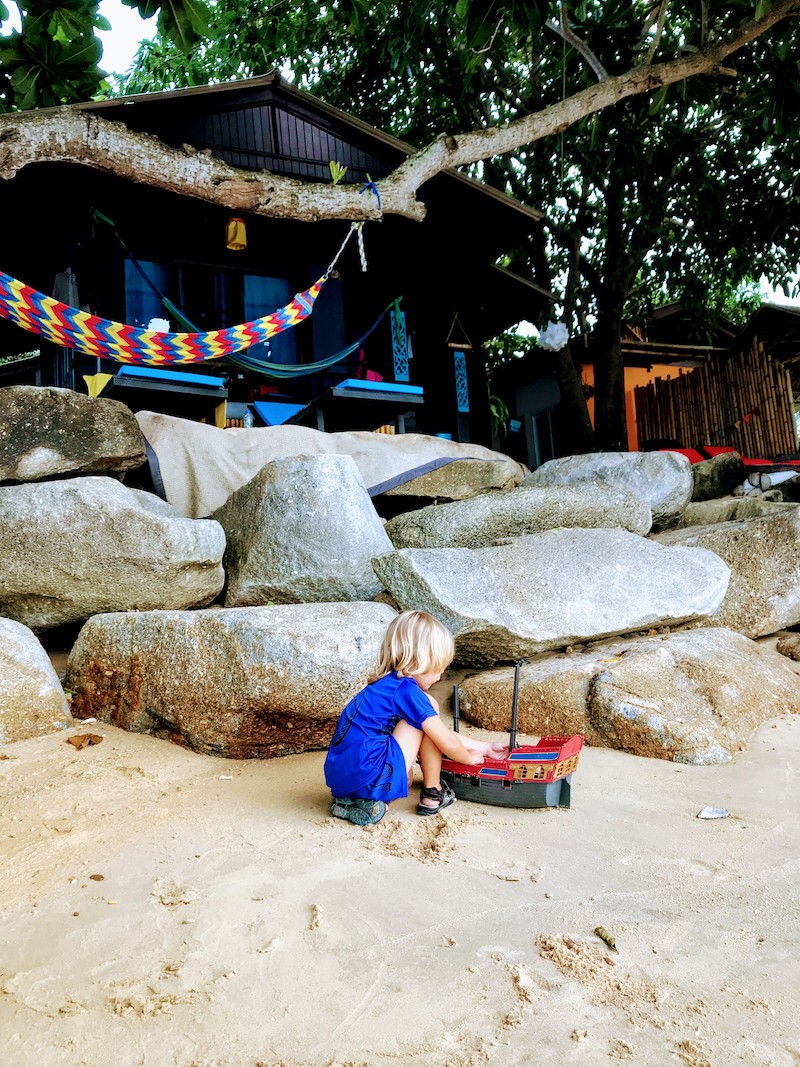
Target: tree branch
point(662, 14)
point(449, 151)
point(581, 47)
point(76, 136)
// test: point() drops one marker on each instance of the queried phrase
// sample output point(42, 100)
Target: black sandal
point(444, 798)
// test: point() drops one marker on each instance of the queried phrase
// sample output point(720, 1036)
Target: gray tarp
point(202, 465)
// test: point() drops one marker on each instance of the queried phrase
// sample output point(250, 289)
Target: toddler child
point(392, 722)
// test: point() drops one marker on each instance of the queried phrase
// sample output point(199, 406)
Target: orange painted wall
point(634, 376)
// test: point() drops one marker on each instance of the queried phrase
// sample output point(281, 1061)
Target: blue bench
point(177, 377)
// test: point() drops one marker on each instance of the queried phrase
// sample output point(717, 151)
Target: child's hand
point(475, 759)
point(485, 749)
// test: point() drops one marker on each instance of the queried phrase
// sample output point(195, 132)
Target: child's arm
point(450, 744)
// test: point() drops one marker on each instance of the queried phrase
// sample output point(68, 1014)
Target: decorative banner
point(67, 326)
point(400, 352)
point(96, 383)
point(746, 419)
point(462, 387)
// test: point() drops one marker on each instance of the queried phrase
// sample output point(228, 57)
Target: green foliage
point(507, 347)
point(182, 22)
point(500, 415)
point(238, 42)
point(55, 58)
point(338, 171)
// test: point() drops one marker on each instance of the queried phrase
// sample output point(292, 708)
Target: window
point(141, 303)
point(213, 298)
point(262, 296)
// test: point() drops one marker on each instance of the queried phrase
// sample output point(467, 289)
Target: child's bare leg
point(414, 743)
point(409, 739)
point(430, 759)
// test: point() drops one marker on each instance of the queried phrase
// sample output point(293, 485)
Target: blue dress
point(364, 760)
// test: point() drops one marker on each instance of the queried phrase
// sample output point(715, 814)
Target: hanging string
point(342, 247)
point(361, 251)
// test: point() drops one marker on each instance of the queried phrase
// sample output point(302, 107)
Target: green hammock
point(250, 362)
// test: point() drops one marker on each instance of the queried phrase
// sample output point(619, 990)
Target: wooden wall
point(743, 400)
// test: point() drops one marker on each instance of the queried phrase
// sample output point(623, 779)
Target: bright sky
point(128, 28)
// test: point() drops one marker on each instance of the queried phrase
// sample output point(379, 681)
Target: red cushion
point(711, 451)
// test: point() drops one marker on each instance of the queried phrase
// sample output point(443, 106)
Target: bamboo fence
point(743, 400)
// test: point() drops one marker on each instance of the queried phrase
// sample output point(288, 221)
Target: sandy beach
point(164, 908)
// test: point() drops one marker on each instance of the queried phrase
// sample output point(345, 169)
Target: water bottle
point(248, 419)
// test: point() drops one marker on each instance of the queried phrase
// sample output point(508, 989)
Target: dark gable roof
point(267, 124)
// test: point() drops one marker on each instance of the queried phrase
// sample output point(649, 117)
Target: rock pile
point(244, 634)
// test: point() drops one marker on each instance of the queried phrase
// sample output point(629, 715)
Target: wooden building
point(121, 245)
point(743, 397)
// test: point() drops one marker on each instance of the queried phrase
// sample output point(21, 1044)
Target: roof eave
point(274, 80)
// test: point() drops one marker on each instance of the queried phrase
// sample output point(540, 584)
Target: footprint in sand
point(172, 894)
point(429, 840)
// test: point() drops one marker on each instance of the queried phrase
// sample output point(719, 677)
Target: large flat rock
point(246, 683)
point(47, 432)
point(693, 697)
point(72, 548)
point(553, 589)
point(462, 478)
point(727, 509)
point(485, 520)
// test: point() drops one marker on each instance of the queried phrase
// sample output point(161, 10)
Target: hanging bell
point(236, 235)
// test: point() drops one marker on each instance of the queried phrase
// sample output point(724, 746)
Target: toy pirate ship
point(533, 776)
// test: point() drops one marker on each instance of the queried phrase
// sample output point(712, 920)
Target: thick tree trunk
point(609, 378)
point(576, 414)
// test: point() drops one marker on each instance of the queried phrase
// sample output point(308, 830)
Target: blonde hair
point(414, 643)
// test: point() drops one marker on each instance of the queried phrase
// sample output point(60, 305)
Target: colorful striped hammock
point(67, 326)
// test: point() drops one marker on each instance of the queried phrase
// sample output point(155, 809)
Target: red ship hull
point(533, 776)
